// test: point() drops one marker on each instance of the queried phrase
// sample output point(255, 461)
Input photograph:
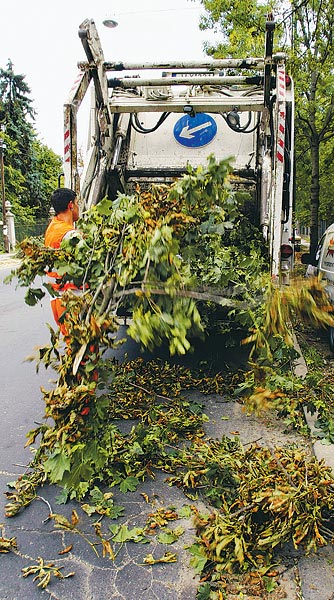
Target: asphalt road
point(21, 329)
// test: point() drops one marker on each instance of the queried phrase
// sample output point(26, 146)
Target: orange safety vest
point(55, 232)
point(54, 235)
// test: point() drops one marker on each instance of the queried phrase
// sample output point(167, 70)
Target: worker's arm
point(69, 234)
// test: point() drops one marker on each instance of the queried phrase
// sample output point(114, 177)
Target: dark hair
point(61, 198)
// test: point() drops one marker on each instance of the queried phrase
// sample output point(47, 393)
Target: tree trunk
point(315, 191)
point(315, 165)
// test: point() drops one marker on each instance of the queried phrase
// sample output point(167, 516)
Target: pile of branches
point(164, 256)
point(264, 497)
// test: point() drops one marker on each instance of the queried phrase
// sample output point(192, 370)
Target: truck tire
point(331, 338)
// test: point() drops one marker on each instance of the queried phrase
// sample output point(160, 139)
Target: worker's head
point(64, 199)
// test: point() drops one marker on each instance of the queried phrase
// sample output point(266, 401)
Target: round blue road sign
point(196, 131)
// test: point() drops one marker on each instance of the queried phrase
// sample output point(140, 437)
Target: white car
point(323, 266)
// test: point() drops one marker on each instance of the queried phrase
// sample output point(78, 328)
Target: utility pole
point(3, 195)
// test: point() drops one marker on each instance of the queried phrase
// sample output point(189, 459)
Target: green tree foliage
point(303, 182)
point(48, 166)
point(305, 32)
point(312, 61)
point(326, 209)
point(31, 169)
point(242, 25)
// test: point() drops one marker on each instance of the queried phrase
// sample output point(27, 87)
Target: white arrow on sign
point(188, 133)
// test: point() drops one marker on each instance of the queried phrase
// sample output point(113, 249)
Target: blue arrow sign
point(196, 131)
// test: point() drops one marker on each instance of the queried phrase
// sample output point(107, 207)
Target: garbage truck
point(148, 121)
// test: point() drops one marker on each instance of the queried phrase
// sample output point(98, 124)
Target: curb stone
point(321, 451)
point(9, 261)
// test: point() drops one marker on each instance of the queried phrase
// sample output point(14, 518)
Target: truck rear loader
point(149, 120)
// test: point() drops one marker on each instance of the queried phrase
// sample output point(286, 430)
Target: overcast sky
point(41, 39)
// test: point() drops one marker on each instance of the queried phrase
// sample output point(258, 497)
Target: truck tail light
point(286, 251)
point(287, 80)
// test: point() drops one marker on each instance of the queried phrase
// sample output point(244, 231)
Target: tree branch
point(194, 294)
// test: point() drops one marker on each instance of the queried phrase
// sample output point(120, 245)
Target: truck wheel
point(331, 338)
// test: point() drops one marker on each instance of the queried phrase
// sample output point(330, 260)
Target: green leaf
point(49, 288)
point(123, 534)
point(269, 583)
point(326, 442)
point(104, 207)
point(11, 484)
point(185, 512)
point(115, 511)
point(62, 497)
point(103, 504)
point(56, 465)
point(78, 478)
point(136, 449)
point(129, 484)
point(198, 560)
point(33, 296)
point(167, 537)
point(203, 592)
point(89, 509)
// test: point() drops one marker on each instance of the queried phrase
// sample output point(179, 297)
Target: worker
point(62, 227)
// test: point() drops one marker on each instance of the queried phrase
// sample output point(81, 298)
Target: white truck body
point(148, 121)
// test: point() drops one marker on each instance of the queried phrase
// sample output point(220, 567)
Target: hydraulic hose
point(137, 126)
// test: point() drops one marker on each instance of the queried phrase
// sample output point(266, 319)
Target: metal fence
point(323, 224)
point(24, 230)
